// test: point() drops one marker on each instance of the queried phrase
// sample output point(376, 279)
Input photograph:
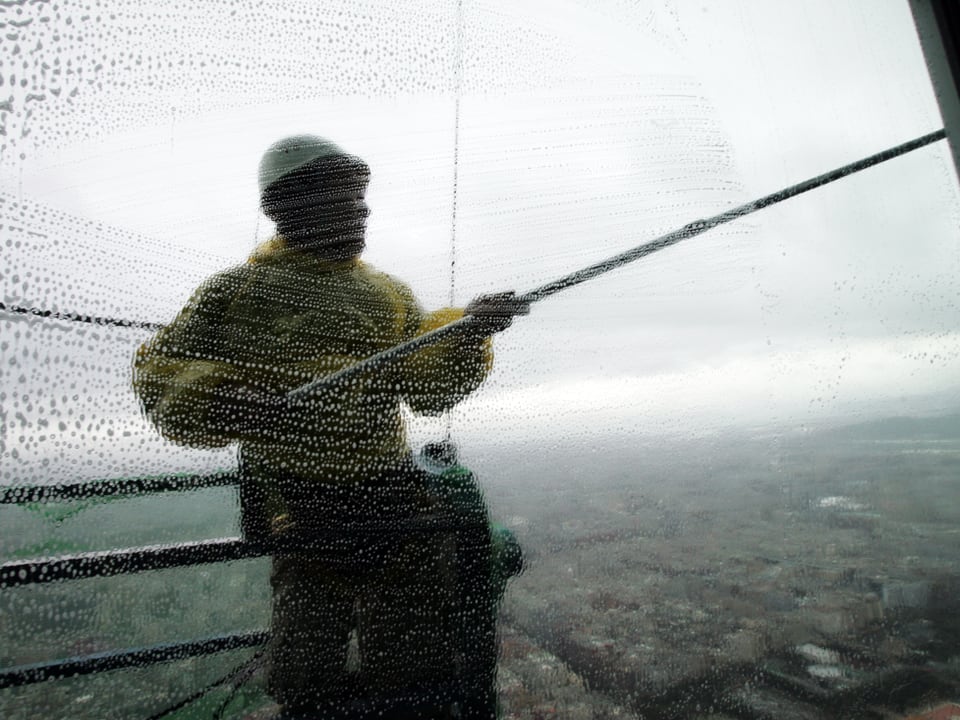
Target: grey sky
point(585, 127)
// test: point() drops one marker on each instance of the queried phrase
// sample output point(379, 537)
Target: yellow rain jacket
point(282, 319)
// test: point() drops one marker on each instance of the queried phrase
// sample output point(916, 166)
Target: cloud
point(826, 384)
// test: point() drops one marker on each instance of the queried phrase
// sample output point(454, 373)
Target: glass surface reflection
point(731, 466)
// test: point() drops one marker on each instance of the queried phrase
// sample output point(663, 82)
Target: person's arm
point(438, 377)
point(191, 392)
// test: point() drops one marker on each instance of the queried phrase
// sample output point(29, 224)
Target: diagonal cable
point(688, 231)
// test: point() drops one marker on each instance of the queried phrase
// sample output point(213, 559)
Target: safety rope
point(688, 231)
point(237, 676)
point(457, 81)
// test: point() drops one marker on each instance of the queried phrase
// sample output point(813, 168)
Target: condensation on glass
point(730, 467)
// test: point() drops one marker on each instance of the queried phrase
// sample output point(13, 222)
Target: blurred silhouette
point(371, 550)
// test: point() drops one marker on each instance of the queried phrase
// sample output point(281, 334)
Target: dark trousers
point(408, 572)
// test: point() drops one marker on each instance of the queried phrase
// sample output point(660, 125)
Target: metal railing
point(470, 689)
point(127, 560)
point(121, 562)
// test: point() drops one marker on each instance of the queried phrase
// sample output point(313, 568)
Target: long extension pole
point(604, 266)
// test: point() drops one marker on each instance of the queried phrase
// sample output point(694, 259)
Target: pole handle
point(688, 231)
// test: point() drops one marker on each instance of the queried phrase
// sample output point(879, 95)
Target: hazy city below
point(805, 576)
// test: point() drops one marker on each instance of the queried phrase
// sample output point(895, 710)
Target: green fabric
point(458, 486)
point(290, 153)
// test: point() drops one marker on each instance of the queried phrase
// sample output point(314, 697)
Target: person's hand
point(495, 312)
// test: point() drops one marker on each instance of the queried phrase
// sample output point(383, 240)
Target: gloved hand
point(496, 311)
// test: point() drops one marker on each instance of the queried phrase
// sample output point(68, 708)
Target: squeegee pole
point(604, 266)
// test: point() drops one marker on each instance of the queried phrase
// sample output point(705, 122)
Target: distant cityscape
point(823, 583)
point(813, 576)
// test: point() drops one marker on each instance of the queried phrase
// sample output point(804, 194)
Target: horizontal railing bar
point(21, 675)
point(133, 560)
point(21, 494)
point(122, 562)
point(133, 657)
point(471, 690)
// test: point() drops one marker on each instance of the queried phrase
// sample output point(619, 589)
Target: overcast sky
point(585, 127)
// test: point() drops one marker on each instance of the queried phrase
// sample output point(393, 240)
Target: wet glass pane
point(728, 469)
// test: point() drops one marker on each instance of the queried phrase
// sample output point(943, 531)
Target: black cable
point(701, 226)
point(77, 317)
point(247, 666)
point(241, 677)
point(575, 278)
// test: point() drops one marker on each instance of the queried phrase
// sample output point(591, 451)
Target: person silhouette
point(333, 475)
